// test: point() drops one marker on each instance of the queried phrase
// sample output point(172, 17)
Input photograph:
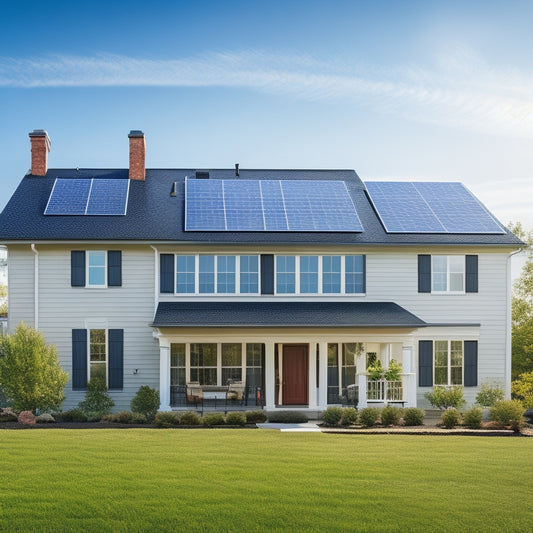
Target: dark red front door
point(295, 374)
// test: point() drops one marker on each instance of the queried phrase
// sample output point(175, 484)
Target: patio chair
point(194, 393)
point(235, 391)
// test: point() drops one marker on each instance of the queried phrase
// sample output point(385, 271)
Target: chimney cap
point(135, 133)
point(41, 133)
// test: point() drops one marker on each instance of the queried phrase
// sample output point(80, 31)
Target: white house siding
point(21, 268)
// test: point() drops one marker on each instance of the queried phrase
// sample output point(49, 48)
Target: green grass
point(243, 480)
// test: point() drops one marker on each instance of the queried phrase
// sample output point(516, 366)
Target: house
point(291, 281)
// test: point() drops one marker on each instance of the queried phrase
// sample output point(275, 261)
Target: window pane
point(441, 353)
point(349, 354)
point(96, 270)
point(185, 266)
point(98, 371)
point(333, 355)
point(231, 373)
point(439, 282)
point(203, 355)
point(456, 282)
point(232, 354)
point(226, 274)
point(441, 376)
point(333, 373)
point(249, 267)
point(254, 352)
point(207, 274)
point(285, 274)
point(353, 265)
point(457, 353)
point(456, 376)
point(177, 355)
point(331, 274)
point(97, 258)
point(309, 274)
point(97, 345)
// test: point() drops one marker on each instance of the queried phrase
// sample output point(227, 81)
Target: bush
point(473, 417)
point(255, 417)
point(7, 415)
point(190, 418)
point(349, 416)
point(74, 415)
point(451, 418)
point(505, 411)
point(236, 418)
point(213, 419)
point(97, 401)
point(390, 416)
point(125, 417)
point(522, 389)
point(368, 416)
point(413, 416)
point(45, 418)
point(146, 401)
point(332, 416)
point(287, 417)
point(488, 396)
point(446, 397)
point(167, 419)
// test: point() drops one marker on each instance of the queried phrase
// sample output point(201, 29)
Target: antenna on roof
point(237, 169)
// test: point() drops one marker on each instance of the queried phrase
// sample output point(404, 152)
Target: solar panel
point(430, 207)
point(269, 205)
point(94, 196)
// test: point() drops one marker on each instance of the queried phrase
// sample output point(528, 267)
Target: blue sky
point(395, 90)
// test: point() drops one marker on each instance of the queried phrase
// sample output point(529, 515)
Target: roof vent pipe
point(237, 170)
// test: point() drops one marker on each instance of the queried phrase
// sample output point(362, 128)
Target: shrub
point(7, 415)
point(74, 415)
point(287, 417)
point(97, 401)
point(236, 419)
point(125, 417)
point(451, 418)
point(213, 419)
point(190, 418)
point(45, 418)
point(413, 416)
point(446, 397)
point(27, 417)
point(375, 370)
point(473, 417)
point(505, 411)
point(368, 416)
point(167, 419)
point(390, 416)
point(488, 396)
point(255, 417)
point(332, 416)
point(146, 401)
point(349, 416)
point(522, 389)
point(393, 372)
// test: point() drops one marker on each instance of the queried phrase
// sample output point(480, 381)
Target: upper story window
point(316, 274)
point(448, 274)
point(96, 268)
point(217, 274)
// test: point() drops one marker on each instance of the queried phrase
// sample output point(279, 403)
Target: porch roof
point(285, 314)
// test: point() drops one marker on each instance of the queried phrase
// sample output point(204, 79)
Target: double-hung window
point(448, 362)
point(98, 354)
point(448, 273)
point(96, 268)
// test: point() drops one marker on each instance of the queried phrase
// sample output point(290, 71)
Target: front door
point(295, 374)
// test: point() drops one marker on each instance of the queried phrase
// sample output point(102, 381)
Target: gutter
point(36, 287)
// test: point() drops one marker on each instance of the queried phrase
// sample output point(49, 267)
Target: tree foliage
point(30, 374)
point(522, 389)
point(3, 300)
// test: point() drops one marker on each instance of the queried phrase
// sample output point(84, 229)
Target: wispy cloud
point(460, 89)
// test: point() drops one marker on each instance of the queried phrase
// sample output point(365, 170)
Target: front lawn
point(255, 480)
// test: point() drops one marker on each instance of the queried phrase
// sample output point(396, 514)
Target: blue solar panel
point(68, 197)
point(269, 205)
point(95, 196)
point(430, 207)
point(108, 197)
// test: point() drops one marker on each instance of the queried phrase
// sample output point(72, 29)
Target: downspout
point(156, 279)
point(36, 287)
point(509, 328)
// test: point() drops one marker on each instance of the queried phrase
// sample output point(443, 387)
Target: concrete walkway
point(302, 428)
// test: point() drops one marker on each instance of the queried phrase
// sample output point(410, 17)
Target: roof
point(284, 314)
point(153, 215)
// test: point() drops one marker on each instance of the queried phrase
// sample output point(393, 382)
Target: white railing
point(382, 390)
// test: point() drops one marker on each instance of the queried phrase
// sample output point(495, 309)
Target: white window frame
point(88, 267)
point(106, 361)
point(448, 274)
point(449, 363)
point(215, 293)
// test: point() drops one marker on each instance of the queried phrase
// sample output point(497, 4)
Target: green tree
point(30, 374)
point(522, 389)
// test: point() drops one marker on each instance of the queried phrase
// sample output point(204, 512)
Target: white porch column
point(323, 375)
point(312, 376)
point(270, 376)
point(409, 376)
point(164, 376)
point(361, 381)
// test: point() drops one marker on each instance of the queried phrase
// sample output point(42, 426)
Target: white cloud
point(459, 90)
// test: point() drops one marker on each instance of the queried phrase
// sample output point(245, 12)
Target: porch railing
point(382, 390)
point(252, 397)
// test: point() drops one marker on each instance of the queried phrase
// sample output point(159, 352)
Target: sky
point(397, 90)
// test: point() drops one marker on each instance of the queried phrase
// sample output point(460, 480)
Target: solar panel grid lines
point(271, 205)
point(430, 207)
point(88, 196)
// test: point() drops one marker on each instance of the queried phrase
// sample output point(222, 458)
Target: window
point(206, 280)
point(285, 274)
point(231, 362)
point(255, 355)
point(177, 364)
point(309, 274)
point(204, 364)
point(96, 268)
point(342, 371)
point(448, 363)
point(226, 274)
point(97, 354)
point(331, 274)
point(354, 274)
point(249, 274)
point(448, 273)
point(185, 275)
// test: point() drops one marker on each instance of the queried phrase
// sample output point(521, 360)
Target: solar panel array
point(95, 196)
point(430, 207)
point(269, 205)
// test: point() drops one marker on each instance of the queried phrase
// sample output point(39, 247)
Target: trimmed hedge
point(167, 419)
point(236, 418)
point(413, 416)
point(287, 417)
point(255, 417)
point(213, 419)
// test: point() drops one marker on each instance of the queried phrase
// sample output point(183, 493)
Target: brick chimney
point(137, 155)
point(40, 146)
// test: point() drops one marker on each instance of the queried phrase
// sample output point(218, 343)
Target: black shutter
point(425, 363)
point(116, 358)
point(114, 268)
point(166, 273)
point(471, 273)
point(267, 274)
point(77, 268)
point(424, 273)
point(79, 359)
point(364, 273)
point(470, 359)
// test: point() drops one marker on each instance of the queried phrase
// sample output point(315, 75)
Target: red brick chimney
point(137, 155)
point(40, 146)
